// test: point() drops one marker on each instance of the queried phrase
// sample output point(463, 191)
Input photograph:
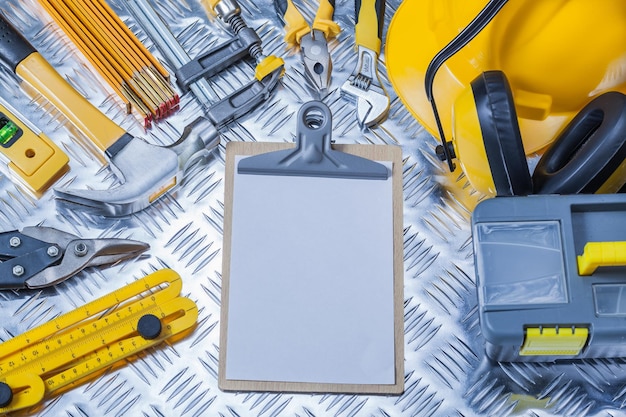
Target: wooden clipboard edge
point(375, 152)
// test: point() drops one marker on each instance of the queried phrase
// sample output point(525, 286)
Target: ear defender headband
point(588, 156)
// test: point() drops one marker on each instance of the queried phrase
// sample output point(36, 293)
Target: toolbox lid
point(529, 276)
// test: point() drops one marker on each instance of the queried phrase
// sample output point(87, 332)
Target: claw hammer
point(363, 87)
point(146, 171)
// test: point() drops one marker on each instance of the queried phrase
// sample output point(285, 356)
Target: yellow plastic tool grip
point(324, 19)
point(597, 254)
point(33, 159)
point(295, 24)
point(370, 17)
point(267, 66)
point(94, 124)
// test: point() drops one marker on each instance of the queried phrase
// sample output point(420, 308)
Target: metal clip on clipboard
point(313, 155)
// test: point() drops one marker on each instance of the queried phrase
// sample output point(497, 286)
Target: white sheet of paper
point(311, 280)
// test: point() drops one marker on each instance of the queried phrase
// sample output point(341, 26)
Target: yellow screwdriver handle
point(370, 17)
point(596, 254)
point(94, 124)
point(324, 19)
point(295, 24)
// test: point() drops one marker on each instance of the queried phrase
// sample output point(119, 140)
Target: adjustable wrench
point(364, 87)
point(146, 171)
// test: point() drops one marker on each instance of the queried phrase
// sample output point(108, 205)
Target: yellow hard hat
point(558, 55)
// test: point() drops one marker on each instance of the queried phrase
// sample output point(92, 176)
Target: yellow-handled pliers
point(313, 40)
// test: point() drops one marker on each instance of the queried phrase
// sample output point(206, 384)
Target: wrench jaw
point(146, 172)
point(372, 105)
point(364, 88)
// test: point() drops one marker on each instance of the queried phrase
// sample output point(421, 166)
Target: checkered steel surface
point(447, 373)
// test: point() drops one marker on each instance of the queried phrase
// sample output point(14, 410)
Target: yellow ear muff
point(487, 140)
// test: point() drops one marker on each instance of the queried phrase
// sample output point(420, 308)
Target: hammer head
point(146, 172)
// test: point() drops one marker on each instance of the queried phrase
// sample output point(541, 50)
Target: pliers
point(313, 40)
point(40, 256)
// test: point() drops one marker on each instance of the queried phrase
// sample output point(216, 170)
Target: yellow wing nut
point(597, 254)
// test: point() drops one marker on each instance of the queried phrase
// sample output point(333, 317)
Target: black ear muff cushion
point(588, 151)
point(501, 136)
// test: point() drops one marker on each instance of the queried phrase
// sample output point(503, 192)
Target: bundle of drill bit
point(122, 60)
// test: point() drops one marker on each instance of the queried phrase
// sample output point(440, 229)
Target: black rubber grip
point(14, 48)
point(380, 14)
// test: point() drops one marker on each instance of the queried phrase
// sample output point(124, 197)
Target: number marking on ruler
point(67, 350)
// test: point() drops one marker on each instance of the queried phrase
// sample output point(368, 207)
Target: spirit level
point(31, 157)
point(78, 345)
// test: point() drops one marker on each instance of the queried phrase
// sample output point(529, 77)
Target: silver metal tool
point(142, 167)
point(40, 256)
point(230, 13)
point(199, 137)
point(191, 73)
point(363, 87)
point(146, 171)
point(313, 40)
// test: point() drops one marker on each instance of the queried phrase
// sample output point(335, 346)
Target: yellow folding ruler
point(79, 345)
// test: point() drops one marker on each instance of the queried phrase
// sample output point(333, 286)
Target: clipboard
point(312, 284)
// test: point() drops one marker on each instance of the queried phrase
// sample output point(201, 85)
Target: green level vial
point(8, 130)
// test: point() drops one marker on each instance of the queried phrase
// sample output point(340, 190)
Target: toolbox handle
point(597, 254)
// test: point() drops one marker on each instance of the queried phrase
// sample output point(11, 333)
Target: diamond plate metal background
point(447, 373)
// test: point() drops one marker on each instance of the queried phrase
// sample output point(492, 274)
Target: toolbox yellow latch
point(567, 340)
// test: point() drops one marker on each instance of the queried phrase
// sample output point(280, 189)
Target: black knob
point(149, 327)
point(6, 395)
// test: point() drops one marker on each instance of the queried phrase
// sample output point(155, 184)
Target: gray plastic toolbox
point(539, 298)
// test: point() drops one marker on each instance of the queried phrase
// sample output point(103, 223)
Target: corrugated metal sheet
point(447, 373)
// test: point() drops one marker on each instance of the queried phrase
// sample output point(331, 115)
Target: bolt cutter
point(313, 40)
point(40, 256)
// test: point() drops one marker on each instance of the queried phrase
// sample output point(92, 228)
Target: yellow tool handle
point(162, 285)
point(324, 19)
point(370, 18)
point(597, 254)
point(101, 130)
point(295, 24)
